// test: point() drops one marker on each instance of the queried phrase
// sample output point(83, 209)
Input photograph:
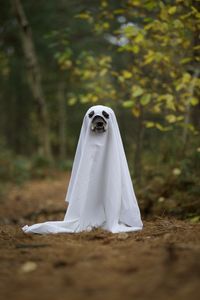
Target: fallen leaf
point(28, 266)
point(122, 236)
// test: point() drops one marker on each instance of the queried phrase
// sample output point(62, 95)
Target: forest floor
point(160, 262)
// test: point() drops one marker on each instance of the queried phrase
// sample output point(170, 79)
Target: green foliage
point(151, 62)
point(170, 183)
point(6, 167)
point(21, 169)
point(39, 161)
point(65, 165)
point(15, 169)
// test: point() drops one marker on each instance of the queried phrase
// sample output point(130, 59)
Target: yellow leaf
point(136, 112)
point(149, 124)
point(167, 97)
point(28, 266)
point(181, 107)
point(137, 91)
point(159, 126)
point(149, 26)
point(126, 74)
point(106, 25)
point(178, 24)
point(156, 108)
point(105, 60)
point(135, 2)
point(186, 77)
point(130, 31)
point(118, 11)
point(179, 118)
point(87, 74)
point(94, 98)
point(71, 101)
point(84, 16)
point(172, 74)
point(194, 101)
point(196, 47)
point(128, 104)
point(195, 219)
point(171, 118)
point(170, 105)
point(176, 171)
point(172, 10)
point(121, 79)
point(185, 60)
point(163, 14)
point(135, 49)
point(162, 128)
point(103, 72)
point(180, 87)
point(139, 38)
point(145, 99)
point(148, 60)
point(84, 99)
point(104, 4)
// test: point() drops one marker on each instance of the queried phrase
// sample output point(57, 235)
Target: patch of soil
point(160, 262)
point(35, 200)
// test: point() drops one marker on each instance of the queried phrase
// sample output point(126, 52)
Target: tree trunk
point(62, 120)
point(34, 77)
point(139, 142)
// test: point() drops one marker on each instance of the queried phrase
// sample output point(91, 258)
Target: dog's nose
point(100, 124)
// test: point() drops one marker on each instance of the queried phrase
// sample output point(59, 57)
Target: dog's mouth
point(98, 124)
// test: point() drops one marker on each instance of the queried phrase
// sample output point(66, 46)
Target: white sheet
point(100, 191)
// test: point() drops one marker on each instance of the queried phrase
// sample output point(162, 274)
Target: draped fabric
point(100, 191)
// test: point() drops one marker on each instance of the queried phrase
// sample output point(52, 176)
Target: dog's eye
point(105, 114)
point(91, 114)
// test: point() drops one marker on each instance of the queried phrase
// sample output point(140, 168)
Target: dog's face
point(99, 121)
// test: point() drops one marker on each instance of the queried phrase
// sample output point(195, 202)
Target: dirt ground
point(160, 262)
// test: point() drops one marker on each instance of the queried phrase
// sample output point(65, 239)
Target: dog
point(99, 123)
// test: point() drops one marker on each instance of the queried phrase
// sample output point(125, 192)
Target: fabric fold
point(100, 191)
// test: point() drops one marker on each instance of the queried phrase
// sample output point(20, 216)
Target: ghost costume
point(100, 191)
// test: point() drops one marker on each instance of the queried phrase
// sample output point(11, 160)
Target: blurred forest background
point(141, 58)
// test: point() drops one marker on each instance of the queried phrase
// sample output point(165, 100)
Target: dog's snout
point(98, 123)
